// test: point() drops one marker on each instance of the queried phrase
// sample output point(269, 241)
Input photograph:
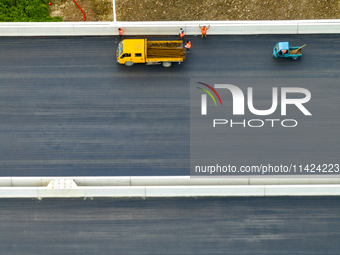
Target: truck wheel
point(166, 64)
point(295, 58)
point(129, 63)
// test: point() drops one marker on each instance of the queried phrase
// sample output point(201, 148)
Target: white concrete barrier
point(138, 191)
point(24, 181)
point(306, 28)
point(44, 192)
point(204, 191)
point(5, 182)
point(102, 181)
point(302, 190)
point(169, 28)
point(30, 181)
point(172, 191)
point(19, 192)
point(164, 186)
point(293, 181)
point(184, 180)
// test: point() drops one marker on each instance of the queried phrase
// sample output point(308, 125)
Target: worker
point(121, 33)
point(284, 52)
point(188, 46)
point(204, 30)
point(181, 34)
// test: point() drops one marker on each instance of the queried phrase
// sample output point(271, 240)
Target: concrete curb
point(169, 28)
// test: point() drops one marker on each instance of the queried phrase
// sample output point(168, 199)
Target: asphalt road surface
point(280, 225)
point(68, 109)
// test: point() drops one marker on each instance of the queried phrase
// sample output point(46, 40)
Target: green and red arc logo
point(208, 92)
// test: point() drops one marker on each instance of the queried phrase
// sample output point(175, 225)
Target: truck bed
point(165, 49)
point(293, 51)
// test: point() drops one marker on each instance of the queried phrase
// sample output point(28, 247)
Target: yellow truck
point(133, 51)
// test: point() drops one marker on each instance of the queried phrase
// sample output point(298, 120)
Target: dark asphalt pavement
point(68, 109)
point(280, 225)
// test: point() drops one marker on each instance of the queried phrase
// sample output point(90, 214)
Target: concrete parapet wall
point(165, 186)
point(167, 181)
point(168, 28)
point(173, 191)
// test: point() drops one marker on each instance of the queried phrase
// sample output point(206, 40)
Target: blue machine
point(282, 50)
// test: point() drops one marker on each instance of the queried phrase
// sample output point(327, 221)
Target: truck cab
point(131, 51)
point(281, 49)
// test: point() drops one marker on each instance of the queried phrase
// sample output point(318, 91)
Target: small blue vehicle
point(282, 50)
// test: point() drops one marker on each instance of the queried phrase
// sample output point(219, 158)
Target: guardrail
point(169, 28)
